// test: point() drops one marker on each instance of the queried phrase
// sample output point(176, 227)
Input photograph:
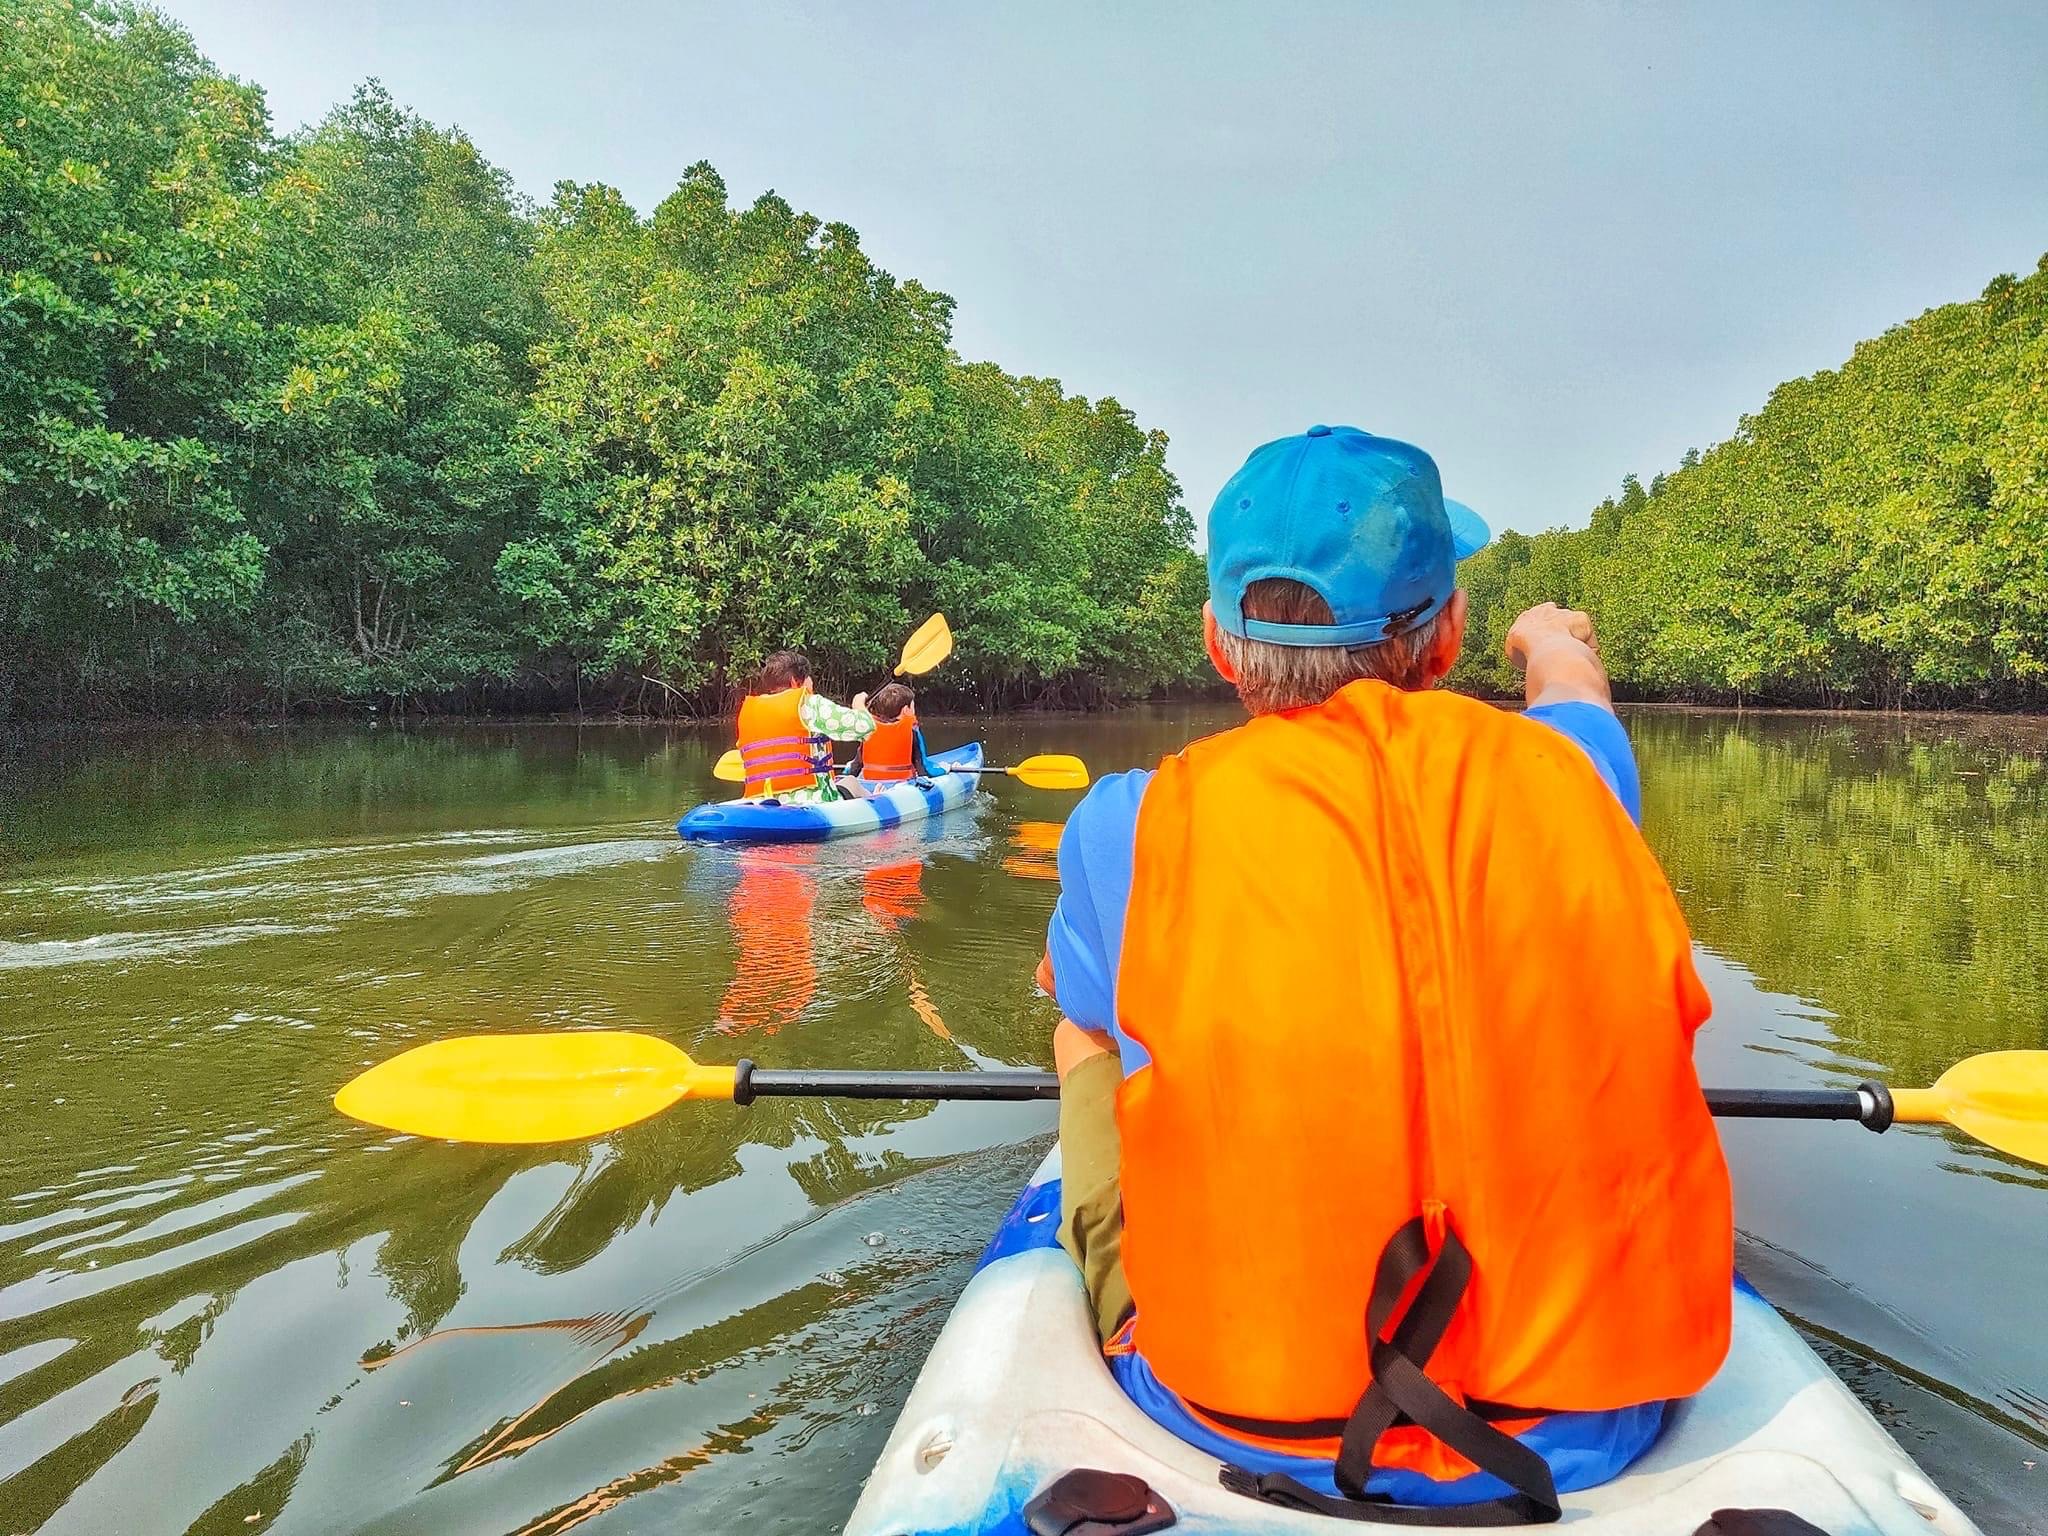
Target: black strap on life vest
point(1399, 1390)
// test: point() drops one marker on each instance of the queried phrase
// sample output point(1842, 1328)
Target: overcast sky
point(1550, 243)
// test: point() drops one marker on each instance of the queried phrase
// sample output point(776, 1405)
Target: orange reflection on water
point(892, 895)
point(523, 1432)
point(775, 975)
point(568, 1516)
point(1036, 846)
point(594, 1324)
point(922, 1005)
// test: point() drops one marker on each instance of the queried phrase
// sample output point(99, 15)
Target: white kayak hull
point(1015, 1393)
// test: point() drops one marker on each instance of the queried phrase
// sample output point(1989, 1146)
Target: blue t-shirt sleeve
point(1602, 739)
point(1086, 936)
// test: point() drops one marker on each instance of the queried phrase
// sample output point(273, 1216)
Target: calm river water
point(225, 1309)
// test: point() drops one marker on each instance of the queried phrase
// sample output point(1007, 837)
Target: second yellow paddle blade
point(731, 768)
point(932, 644)
point(1052, 770)
point(2001, 1098)
point(529, 1088)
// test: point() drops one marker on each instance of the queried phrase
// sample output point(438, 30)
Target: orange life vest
point(778, 749)
point(1405, 968)
point(890, 752)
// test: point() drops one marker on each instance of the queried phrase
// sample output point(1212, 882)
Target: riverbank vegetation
point(287, 422)
point(335, 419)
point(1877, 535)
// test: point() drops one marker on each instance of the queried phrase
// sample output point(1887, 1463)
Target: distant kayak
point(768, 820)
point(1015, 1394)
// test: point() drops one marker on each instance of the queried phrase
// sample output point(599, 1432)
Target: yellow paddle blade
point(529, 1088)
point(932, 644)
point(2000, 1097)
point(1051, 770)
point(730, 768)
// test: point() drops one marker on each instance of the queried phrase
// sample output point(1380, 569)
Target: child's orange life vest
point(1406, 969)
point(890, 752)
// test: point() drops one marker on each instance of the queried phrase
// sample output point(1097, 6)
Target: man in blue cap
point(1386, 1166)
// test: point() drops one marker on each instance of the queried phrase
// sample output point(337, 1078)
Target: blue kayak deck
point(768, 820)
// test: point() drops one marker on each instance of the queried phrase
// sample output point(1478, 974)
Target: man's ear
point(1209, 638)
point(1449, 640)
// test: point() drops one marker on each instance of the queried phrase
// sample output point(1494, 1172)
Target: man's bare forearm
point(1559, 657)
point(1565, 670)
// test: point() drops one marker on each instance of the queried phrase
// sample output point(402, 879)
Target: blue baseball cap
point(1360, 519)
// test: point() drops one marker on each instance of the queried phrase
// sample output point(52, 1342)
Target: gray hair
point(1272, 677)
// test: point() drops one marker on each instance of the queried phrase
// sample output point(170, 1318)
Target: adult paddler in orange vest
point(786, 731)
point(1386, 1163)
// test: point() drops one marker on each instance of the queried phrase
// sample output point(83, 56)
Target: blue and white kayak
point(768, 820)
point(1015, 1394)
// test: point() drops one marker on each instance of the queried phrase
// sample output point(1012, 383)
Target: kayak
point(768, 820)
point(1014, 1395)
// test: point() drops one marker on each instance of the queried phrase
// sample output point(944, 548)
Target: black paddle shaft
point(1869, 1103)
point(751, 1082)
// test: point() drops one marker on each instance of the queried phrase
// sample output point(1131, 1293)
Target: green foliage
point(746, 436)
point(387, 407)
point(130, 231)
point(338, 417)
point(1875, 534)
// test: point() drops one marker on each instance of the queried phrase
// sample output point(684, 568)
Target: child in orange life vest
point(786, 731)
point(1334, 983)
point(894, 751)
